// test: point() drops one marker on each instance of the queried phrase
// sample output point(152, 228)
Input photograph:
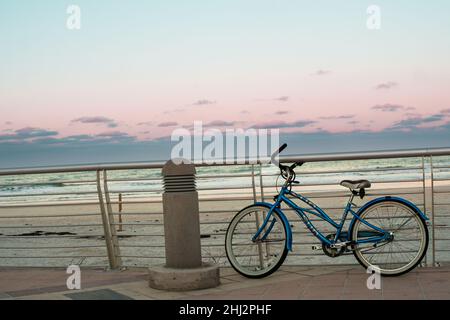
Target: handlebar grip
point(280, 149)
point(296, 164)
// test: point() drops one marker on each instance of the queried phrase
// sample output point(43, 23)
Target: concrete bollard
point(184, 269)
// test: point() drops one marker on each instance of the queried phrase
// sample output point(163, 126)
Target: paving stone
point(290, 282)
point(102, 294)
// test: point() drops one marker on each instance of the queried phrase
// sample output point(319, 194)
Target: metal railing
point(62, 215)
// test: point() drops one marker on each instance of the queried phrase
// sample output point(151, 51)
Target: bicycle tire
point(229, 238)
point(423, 246)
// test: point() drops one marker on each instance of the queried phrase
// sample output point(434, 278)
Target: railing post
point(257, 220)
point(255, 199)
point(433, 227)
point(120, 213)
point(112, 226)
point(261, 185)
point(425, 262)
point(106, 226)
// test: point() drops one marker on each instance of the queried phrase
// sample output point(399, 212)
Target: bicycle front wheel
point(260, 258)
point(408, 243)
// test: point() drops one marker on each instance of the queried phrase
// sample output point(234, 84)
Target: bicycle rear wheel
point(260, 258)
point(407, 247)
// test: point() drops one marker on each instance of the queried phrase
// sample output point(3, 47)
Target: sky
point(115, 89)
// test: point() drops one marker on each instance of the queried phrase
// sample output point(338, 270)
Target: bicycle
point(387, 233)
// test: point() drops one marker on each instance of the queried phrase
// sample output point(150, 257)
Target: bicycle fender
point(389, 198)
point(285, 221)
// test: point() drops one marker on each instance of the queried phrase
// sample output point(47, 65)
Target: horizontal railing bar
point(346, 195)
point(136, 179)
point(239, 175)
point(198, 176)
point(130, 236)
point(338, 215)
point(61, 266)
point(382, 154)
point(51, 257)
point(160, 212)
point(82, 168)
point(135, 213)
point(226, 199)
point(201, 200)
point(51, 216)
point(198, 189)
point(213, 222)
point(135, 191)
point(441, 191)
point(139, 235)
point(39, 204)
point(47, 183)
point(136, 202)
point(136, 224)
point(216, 211)
point(221, 234)
point(224, 188)
point(337, 183)
point(47, 194)
point(81, 237)
point(39, 248)
point(143, 257)
point(142, 246)
point(52, 226)
point(300, 172)
point(296, 243)
point(89, 196)
point(52, 204)
point(313, 195)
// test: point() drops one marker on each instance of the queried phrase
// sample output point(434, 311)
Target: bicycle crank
point(333, 251)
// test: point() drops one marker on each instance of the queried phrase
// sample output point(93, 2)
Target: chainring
point(332, 252)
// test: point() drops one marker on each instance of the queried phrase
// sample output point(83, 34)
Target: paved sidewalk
point(346, 282)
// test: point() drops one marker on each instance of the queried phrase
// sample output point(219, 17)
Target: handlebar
point(287, 172)
point(278, 151)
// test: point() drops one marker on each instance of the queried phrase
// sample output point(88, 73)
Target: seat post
point(352, 196)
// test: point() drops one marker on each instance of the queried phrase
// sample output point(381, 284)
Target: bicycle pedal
point(317, 248)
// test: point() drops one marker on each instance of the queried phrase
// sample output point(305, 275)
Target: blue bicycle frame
point(377, 235)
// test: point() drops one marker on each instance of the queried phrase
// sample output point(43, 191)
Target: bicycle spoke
point(255, 257)
point(404, 249)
